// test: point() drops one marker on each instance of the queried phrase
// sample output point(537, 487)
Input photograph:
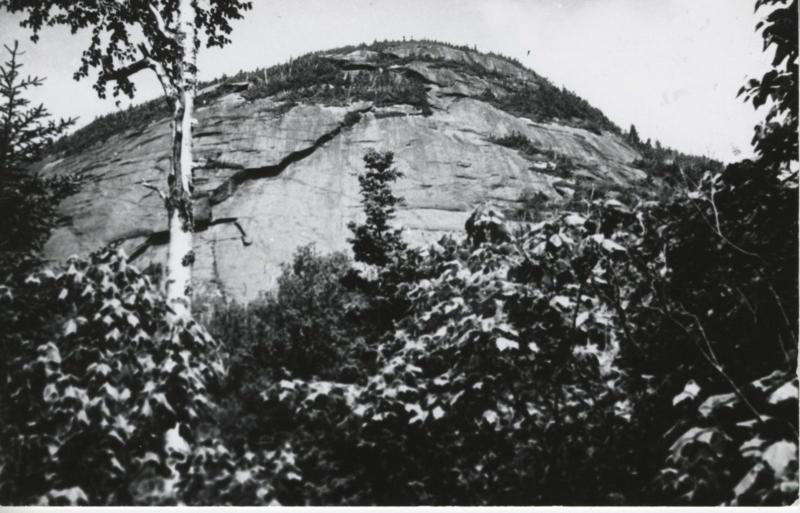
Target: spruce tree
point(27, 201)
point(26, 130)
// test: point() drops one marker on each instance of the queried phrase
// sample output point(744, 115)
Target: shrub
point(497, 387)
point(541, 365)
point(297, 331)
point(99, 393)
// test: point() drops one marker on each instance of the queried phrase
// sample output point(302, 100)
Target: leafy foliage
point(105, 402)
point(129, 37)
point(545, 364)
point(300, 330)
point(99, 393)
point(775, 140)
point(620, 351)
point(744, 449)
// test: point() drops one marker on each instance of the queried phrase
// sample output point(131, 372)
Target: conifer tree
point(633, 136)
point(26, 130)
point(375, 240)
point(27, 201)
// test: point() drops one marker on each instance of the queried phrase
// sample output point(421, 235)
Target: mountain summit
point(278, 151)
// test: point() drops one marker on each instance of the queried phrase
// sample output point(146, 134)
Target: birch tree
point(163, 36)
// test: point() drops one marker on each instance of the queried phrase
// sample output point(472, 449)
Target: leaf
point(504, 343)
point(562, 302)
point(713, 404)
point(780, 456)
point(117, 465)
point(710, 437)
point(611, 246)
point(769, 381)
point(70, 327)
point(149, 457)
point(752, 447)
point(110, 391)
point(419, 414)
point(690, 391)
point(73, 496)
point(82, 417)
point(161, 399)
point(490, 416)
point(575, 220)
point(174, 442)
point(242, 476)
point(51, 354)
point(438, 412)
point(749, 480)
point(787, 392)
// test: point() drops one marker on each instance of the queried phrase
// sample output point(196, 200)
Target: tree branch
point(130, 70)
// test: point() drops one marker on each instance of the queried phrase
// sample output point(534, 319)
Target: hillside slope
point(278, 150)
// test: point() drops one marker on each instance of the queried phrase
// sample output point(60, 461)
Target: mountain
point(278, 151)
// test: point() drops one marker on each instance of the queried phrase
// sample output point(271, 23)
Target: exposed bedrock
point(276, 177)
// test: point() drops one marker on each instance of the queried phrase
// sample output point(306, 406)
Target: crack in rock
point(229, 187)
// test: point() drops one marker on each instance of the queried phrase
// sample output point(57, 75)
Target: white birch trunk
point(180, 252)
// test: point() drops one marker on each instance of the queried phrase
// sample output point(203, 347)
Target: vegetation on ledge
point(318, 78)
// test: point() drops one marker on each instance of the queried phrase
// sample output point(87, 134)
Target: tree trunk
point(179, 206)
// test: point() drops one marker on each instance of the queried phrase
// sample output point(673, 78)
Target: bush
point(301, 330)
point(100, 394)
point(581, 360)
point(494, 388)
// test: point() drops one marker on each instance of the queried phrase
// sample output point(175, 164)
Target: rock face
point(272, 174)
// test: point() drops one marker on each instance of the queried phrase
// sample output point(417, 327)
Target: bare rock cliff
point(276, 168)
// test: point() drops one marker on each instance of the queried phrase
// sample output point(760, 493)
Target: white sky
point(671, 67)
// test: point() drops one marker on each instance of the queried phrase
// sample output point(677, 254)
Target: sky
point(671, 67)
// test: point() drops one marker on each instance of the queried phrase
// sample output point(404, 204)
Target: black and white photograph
point(399, 253)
